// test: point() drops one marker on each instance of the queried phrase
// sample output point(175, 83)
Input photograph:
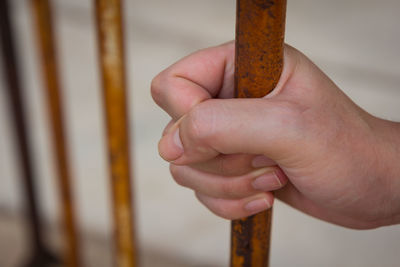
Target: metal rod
point(40, 255)
point(260, 29)
point(111, 52)
point(46, 45)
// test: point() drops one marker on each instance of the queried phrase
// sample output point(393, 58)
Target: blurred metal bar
point(111, 53)
point(40, 256)
point(260, 31)
point(46, 45)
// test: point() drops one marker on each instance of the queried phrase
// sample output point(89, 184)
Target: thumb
point(232, 126)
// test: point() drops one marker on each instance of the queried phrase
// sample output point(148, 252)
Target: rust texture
point(259, 60)
point(111, 49)
point(259, 46)
point(39, 254)
point(46, 45)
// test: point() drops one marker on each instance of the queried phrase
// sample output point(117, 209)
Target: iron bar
point(260, 29)
point(49, 63)
point(111, 54)
point(40, 255)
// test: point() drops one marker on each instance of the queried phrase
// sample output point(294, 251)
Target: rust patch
point(264, 4)
point(111, 53)
point(259, 61)
point(259, 43)
point(49, 64)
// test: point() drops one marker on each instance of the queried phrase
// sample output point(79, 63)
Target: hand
point(306, 141)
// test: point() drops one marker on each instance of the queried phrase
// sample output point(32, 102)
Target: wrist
point(387, 147)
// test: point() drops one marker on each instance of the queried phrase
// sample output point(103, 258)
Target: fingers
point(228, 165)
point(232, 197)
point(271, 120)
point(233, 209)
point(234, 165)
point(261, 180)
point(235, 126)
point(205, 74)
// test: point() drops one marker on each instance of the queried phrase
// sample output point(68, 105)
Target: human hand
point(306, 141)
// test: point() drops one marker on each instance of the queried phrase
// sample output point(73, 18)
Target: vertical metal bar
point(40, 255)
point(259, 61)
point(46, 45)
point(111, 49)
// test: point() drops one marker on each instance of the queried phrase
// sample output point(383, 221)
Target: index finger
point(200, 76)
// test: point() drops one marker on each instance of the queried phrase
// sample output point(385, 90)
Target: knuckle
point(289, 115)
point(176, 174)
point(219, 209)
point(201, 122)
point(225, 212)
point(233, 165)
point(157, 87)
point(228, 166)
point(227, 189)
point(222, 166)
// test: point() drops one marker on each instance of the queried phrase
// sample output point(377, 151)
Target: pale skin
point(306, 143)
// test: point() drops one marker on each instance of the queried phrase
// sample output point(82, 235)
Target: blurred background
point(356, 42)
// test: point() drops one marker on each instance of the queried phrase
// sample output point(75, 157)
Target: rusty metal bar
point(260, 30)
point(40, 255)
point(111, 53)
point(45, 37)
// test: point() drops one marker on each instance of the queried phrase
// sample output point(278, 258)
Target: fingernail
point(267, 182)
point(257, 205)
point(177, 139)
point(262, 161)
